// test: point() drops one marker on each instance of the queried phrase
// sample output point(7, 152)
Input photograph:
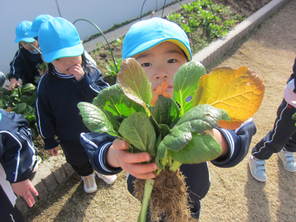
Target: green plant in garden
point(204, 21)
point(21, 100)
point(172, 130)
point(112, 69)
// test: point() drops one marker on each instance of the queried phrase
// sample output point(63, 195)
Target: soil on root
point(169, 201)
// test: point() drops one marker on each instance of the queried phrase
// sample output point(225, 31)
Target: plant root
point(169, 201)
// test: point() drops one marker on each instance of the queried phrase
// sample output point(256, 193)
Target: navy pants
point(197, 180)
point(8, 212)
point(76, 157)
point(283, 134)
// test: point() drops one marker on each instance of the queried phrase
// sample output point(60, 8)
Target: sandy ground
point(234, 194)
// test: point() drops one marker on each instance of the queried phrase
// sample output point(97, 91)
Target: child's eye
point(146, 64)
point(172, 60)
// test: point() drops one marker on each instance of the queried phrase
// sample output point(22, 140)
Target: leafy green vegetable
point(139, 132)
point(185, 84)
point(201, 148)
point(134, 82)
point(113, 100)
point(165, 111)
point(95, 119)
point(172, 132)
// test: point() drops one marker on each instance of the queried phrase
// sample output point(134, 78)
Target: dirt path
point(234, 195)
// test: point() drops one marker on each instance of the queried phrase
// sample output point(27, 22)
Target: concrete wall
point(105, 13)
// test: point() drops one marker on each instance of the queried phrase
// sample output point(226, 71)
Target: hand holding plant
point(174, 130)
point(137, 164)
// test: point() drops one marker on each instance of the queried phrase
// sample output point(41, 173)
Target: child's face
point(29, 46)
point(161, 63)
point(68, 65)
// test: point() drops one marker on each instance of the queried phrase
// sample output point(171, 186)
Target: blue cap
point(22, 32)
point(148, 33)
point(37, 23)
point(59, 38)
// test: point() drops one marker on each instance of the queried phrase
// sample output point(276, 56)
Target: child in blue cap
point(37, 22)
point(70, 80)
point(24, 66)
point(161, 47)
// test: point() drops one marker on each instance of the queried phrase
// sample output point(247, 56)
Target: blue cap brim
point(76, 50)
point(25, 40)
point(150, 44)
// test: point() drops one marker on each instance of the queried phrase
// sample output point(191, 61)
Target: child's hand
point(77, 71)
point(13, 83)
point(54, 151)
point(26, 190)
point(118, 156)
point(220, 139)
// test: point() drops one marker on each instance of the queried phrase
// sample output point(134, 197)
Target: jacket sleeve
point(96, 146)
point(238, 144)
point(16, 66)
point(45, 120)
point(92, 83)
point(17, 151)
point(89, 59)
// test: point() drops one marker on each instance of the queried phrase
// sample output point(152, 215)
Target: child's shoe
point(109, 179)
point(89, 183)
point(288, 160)
point(257, 168)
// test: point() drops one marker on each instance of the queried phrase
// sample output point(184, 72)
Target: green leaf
point(113, 100)
point(139, 132)
point(204, 112)
point(95, 119)
point(196, 120)
point(165, 111)
point(20, 108)
point(201, 148)
point(185, 84)
point(162, 159)
point(134, 83)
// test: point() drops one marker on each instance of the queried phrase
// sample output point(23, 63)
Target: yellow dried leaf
point(237, 91)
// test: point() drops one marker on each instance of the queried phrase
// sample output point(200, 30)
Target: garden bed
point(204, 21)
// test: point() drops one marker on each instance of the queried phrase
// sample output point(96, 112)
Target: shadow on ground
point(257, 201)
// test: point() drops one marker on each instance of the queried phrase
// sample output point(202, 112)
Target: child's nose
point(161, 76)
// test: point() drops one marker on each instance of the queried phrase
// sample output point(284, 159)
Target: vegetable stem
point(146, 199)
point(175, 166)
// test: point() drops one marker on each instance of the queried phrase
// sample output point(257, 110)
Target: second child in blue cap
point(70, 79)
point(161, 47)
point(24, 66)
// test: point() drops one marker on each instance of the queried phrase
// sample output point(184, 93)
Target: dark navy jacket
point(96, 146)
point(56, 105)
point(24, 66)
point(17, 152)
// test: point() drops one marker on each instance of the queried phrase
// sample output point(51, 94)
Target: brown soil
point(169, 197)
point(234, 194)
point(244, 7)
